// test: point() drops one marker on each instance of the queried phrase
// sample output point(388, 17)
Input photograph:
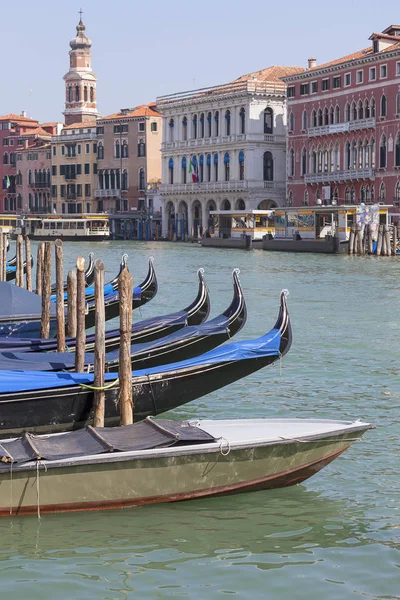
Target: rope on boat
point(227, 451)
point(100, 388)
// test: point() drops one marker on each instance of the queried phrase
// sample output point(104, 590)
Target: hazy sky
point(145, 49)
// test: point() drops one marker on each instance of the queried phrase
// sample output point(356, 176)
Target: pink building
point(343, 141)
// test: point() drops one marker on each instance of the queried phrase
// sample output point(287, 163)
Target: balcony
point(342, 127)
point(39, 185)
point(225, 140)
point(340, 176)
point(76, 137)
point(71, 196)
point(107, 193)
point(221, 186)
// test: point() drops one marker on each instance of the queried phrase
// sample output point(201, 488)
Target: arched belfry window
point(70, 94)
point(228, 122)
point(77, 94)
point(268, 120)
point(91, 94)
point(85, 94)
point(227, 160)
point(242, 115)
point(268, 166)
point(171, 170)
point(241, 165)
point(184, 169)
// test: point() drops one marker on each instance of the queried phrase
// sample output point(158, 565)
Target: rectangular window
point(54, 170)
point(95, 168)
point(100, 130)
point(153, 126)
point(117, 129)
point(95, 148)
point(347, 79)
point(314, 87)
point(291, 91)
point(124, 128)
point(63, 150)
point(372, 73)
point(325, 85)
point(398, 68)
point(87, 169)
point(337, 82)
point(54, 150)
point(383, 71)
point(5, 141)
point(79, 190)
point(62, 169)
point(79, 169)
point(87, 148)
point(62, 191)
point(20, 142)
point(359, 77)
point(87, 190)
point(54, 191)
point(11, 142)
point(141, 126)
point(304, 89)
point(79, 149)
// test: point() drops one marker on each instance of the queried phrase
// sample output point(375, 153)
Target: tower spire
point(80, 81)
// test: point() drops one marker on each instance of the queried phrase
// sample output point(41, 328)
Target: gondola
point(181, 345)
point(11, 268)
point(27, 323)
point(142, 331)
point(89, 275)
point(45, 402)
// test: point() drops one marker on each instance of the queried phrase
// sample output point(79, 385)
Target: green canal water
point(337, 536)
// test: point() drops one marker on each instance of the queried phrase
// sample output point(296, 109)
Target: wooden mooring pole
point(2, 252)
point(19, 269)
point(60, 308)
point(4, 263)
point(380, 240)
point(46, 292)
point(28, 258)
point(352, 239)
point(125, 291)
point(80, 316)
point(99, 344)
point(394, 239)
point(39, 268)
point(71, 293)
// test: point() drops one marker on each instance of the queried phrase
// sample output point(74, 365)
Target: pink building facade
point(343, 140)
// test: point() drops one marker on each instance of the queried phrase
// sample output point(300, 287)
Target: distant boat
point(69, 228)
point(164, 461)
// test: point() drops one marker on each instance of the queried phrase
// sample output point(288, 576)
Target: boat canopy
point(146, 435)
point(108, 291)
point(18, 302)
point(13, 381)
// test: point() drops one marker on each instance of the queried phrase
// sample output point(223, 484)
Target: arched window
point(208, 164)
point(382, 192)
point(304, 121)
point(291, 122)
point(242, 119)
point(209, 124)
point(373, 109)
point(184, 169)
point(397, 191)
point(398, 103)
point(30, 204)
point(367, 194)
point(304, 161)
point(100, 151)
point(331, 115)
point(202, 125)
point(85, 94)
point(117, 153)
point(124, 149)
point(335, 196)
point(124, 181)
point(268, 166)
point(171, 129)
point(314, 121)
point(306, 201)
point(313, 161)
point(372, 194)
point(337, 157)
point(6, 204)
point(320, 119)
point(228, 122)
point(184, 128)
point(91, 94)
point(171, 170)
point(70, 94)
point(241, 165)
point(77, 94)
point(354, 154)
point(201, 170)
point(194, 127)
point(227, 160)
point(268, 120)
point(241, 205)
point(360, 110)
point(216, 122)
point(383, 106)
point(215, 167)
point(142, 179)
point(367, 113)
point(226, 205)
point(5, 158)
point(353, 111)
point(362, 194)
point(382, 153)
point(347, 112)
point(397, 151)
point(337, 114)
point(347, 155)
point(290, 198)
point(360, 151)
point(326, 116)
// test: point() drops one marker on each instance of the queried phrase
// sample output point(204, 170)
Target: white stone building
point(224, 148)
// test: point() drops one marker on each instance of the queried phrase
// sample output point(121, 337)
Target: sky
point(145, 49)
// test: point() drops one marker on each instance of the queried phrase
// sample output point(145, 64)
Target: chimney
point(312, 62)
point(23, 113)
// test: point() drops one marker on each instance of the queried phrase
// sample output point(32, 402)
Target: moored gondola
point(89, 275)
point(181, 345)
point(11, 269)
point(142, 331)
point(44, 402)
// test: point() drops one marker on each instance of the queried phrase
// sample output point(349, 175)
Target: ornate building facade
point(80, 81)
point(224, 148)
point(343, 143)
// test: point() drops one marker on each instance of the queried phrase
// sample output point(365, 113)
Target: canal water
point(336, 536)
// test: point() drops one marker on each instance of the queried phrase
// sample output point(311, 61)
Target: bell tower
point(80, 81)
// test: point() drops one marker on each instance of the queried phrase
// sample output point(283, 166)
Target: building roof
point(13, 117)
point(51, 124)
point(271, 74)
point(38, 131)
point(143, 110)
point(87, 125)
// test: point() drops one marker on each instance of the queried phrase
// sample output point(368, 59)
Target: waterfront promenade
point(334, 537)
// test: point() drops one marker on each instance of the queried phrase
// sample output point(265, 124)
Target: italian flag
point(193, 171)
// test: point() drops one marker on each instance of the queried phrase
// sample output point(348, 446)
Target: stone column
point(164, 221)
